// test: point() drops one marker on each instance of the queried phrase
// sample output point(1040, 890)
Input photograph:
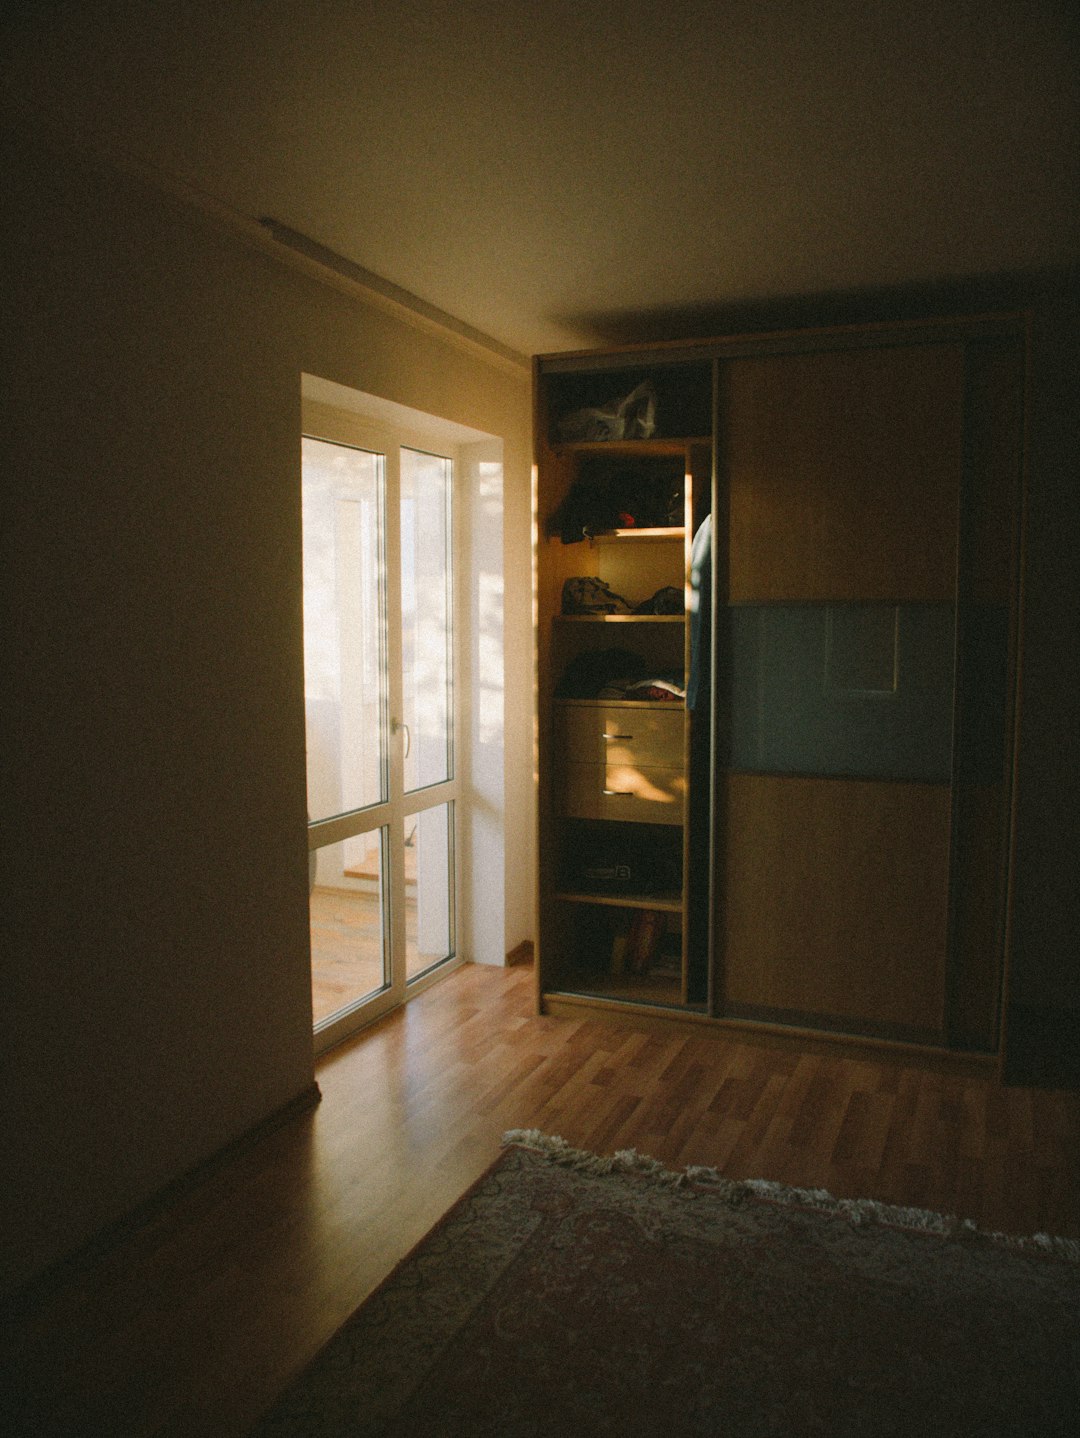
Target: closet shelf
point(620, 619)
point(628, 447)
point(677, 705)
point(666, 903)
point(655, 532)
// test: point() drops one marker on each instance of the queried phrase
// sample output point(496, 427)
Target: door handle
point(395, 725)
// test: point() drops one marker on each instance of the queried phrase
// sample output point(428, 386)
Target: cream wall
point(155, 989)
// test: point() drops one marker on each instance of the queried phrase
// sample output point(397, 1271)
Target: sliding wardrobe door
point(840, 479)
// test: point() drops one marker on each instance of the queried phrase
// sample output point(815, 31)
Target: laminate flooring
point(195, 1323)
point(347, 947)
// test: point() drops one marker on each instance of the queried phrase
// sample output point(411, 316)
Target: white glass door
point(427, 704)
point(379, 692)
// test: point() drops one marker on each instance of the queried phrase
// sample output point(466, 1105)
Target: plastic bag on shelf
point(632, 417)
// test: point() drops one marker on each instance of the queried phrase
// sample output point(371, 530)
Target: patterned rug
point(568, 1294)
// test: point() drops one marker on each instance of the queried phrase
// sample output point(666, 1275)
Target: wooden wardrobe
point(820, 839)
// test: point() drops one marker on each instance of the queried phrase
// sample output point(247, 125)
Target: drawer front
point(591, 735)
point(647, 794)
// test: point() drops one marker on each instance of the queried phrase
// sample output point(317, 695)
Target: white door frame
point(391, 815)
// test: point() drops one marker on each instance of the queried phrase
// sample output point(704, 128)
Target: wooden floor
point(347, 947)
point(196, 1323)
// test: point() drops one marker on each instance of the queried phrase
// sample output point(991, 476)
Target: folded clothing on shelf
point(589, 594)
point(612, 674)
point(668, 600)
point(660, 689)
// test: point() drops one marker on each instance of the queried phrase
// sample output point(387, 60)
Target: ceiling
point(563, 173)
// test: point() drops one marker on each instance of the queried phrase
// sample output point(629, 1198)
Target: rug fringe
point(857, 1211)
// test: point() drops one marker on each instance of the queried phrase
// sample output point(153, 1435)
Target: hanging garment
point(700, 682)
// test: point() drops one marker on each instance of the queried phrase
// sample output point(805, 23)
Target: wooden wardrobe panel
point(978, 880)
point(995, 460)
point(832, 902)
point(843, 473)
point(983, 733)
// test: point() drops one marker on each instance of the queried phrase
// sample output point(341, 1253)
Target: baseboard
point(28, 1295)
point(520, 954)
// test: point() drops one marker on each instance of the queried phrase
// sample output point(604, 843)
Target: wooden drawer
point(621, 734)
point(635, 794)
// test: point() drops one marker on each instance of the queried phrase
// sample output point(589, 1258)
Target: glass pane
point(429, 889)
point(349, 959)
point(859, 690)
point(426, 617)
point(344, 672)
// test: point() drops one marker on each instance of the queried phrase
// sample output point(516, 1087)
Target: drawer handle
point(626, 737)
point(620, 793)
